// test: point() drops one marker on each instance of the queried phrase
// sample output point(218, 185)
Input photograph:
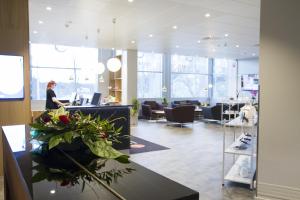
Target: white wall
point(279, 131)
point(248, 66)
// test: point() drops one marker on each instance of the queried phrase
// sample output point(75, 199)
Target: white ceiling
point(135, 21)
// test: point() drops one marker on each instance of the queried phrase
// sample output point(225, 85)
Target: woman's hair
point(50, 83)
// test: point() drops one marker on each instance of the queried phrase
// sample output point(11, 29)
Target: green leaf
point(39, 176)
point(105, 150)
point(55, 140)
point(68, 136)
point(123, 159)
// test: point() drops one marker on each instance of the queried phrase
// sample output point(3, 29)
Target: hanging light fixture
point(101, 79)
point(100, 68)
point(114, 64)
point(164, 89)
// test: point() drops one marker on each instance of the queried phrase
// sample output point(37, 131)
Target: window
point(150, 67)
point(70, 67)
point(225, 78)
point(189, 77)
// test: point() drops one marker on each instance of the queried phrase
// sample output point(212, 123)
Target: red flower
point(64, 183)
point(103, 135)
point(46, 119)
point(64, 119)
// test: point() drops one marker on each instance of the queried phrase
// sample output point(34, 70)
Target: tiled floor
point(194, 158)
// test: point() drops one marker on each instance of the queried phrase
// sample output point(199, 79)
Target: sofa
point(180, 114)
point(215, 112)
point(212, 112)
point(122, 113)
point(185, 102)
point(149, 109)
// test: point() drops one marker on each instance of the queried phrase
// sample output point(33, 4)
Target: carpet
point(138, 145)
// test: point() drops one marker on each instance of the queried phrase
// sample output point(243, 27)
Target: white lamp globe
point(114, 64)
point(100, 68)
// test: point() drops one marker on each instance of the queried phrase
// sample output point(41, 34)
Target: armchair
point(180, 114)
point(149, 109)
point(212, 112)
point(185, 102)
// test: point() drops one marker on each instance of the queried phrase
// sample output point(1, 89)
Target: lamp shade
point(100, 68)
point(114, 64)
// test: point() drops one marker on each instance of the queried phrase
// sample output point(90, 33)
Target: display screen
point(250, 82)
point(11, 77)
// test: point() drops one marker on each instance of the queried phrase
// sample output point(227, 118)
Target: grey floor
point(194, 158)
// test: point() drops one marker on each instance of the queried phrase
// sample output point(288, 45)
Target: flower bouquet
point(59, 127)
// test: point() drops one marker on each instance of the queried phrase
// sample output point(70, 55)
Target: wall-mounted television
point(11, 77)
point(249, 82)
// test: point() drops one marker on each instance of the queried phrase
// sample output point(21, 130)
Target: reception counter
point(31, 174)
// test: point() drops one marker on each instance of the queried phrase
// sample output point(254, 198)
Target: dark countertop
point(140, 184)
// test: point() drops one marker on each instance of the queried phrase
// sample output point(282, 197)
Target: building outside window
point(150, 70)
point(189, 76)
point(70, 67)
point(225, 79)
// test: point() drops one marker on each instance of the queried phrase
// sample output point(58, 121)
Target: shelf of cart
point(234, 173)
point(237, 122)
point(233, 150)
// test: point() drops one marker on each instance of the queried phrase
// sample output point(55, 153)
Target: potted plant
point(165, 102)
point(134, 111)
point(60, 129)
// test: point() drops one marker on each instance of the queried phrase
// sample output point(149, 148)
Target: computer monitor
point(73, 98)
point(96, 99)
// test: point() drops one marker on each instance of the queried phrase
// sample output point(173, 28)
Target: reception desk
point(22, 181)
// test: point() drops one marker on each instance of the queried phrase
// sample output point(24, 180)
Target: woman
point(51, 101)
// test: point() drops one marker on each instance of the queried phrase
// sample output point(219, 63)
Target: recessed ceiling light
point(151, 35)
point(41, 22)
point(130, 1)
point(48, 8)
point(207, 15)
point(214, 50)
point(199, 41)
point(177, 46)
point(226, 34)
point(253, 54)
point(237, 46)
point(113, 49)
point(175, 27)
point(132, 42)
point(35, 32)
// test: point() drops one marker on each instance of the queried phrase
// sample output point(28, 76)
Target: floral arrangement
point(60, 127)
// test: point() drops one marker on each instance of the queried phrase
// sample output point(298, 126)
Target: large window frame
point(74, 71)
point(225, 78)
point(191, 70)
point(147, 70)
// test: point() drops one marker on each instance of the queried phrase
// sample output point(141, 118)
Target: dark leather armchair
point(212, 112)
point(180, 114)
point(149, 108)
point(185, 103)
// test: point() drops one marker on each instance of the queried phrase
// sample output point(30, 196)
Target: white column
point(279, 130)
point(129, 76)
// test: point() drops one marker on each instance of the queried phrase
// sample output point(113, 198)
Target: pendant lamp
point(114, 64)
point(100, 68)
